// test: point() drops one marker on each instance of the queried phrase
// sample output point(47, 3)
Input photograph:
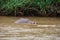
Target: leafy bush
point(14, 4)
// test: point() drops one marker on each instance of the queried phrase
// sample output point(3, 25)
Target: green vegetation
point(42, 7)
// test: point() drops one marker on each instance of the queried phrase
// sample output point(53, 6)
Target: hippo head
point(32, 22)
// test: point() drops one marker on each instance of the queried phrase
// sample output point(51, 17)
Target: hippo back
point(22, 20)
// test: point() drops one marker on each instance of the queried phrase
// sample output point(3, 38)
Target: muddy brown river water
point(47, 29)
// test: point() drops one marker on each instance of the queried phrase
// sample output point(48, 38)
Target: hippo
point(25, 20)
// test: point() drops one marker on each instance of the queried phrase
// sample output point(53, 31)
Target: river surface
point(47, 29)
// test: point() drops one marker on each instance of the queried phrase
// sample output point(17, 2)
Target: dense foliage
point(43, 7)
